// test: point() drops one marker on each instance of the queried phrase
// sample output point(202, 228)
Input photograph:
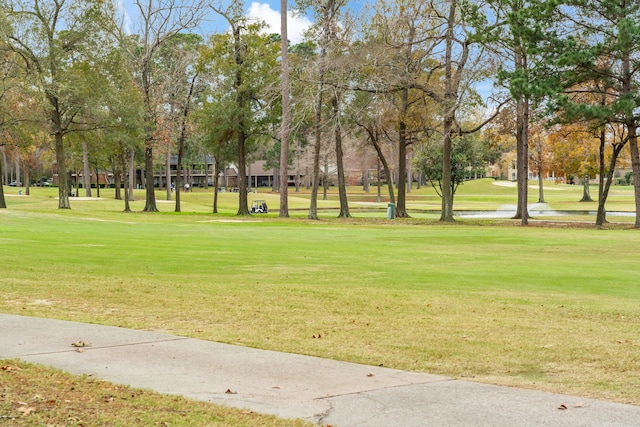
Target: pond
point(536, 210)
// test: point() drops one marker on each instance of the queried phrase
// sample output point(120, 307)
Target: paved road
point(322, 391)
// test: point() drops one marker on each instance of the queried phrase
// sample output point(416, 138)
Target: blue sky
point(268, 12)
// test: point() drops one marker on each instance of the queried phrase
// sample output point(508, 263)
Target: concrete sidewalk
point(293, 386)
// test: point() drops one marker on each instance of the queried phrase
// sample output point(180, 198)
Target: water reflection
point(535, 210)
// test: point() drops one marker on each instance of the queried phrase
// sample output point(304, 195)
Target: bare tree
point(160, 21)
point(325, 33)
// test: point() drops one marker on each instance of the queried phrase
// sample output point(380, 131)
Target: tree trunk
point(216, 170)
point(313, 204)
point(635, 165)
point(168, 171)
point(127, 182)
point(603, 190)
point(522, 142)
point(540, 186)
point(27, 180)
point(522, 211)
point(447, 183)
point(401, 208)
point(379, 184)
point(150, 204)
point(365, 180)
point(97, 183)
point(409, 173)
point(3, 202)
point(243, 206)
point(450, 100)
point(181, 144)
point(63, 183)
point(285, 127)
point(118, 172)
point(375, 141)
point(6, 168)
point(132, 175)
point(86, 171)
point(77, 183)
point(342, 185)
point(179, 175)
point(17, 164)
point(206, 173)
point(632, 128)
point(325, 180)
point(586, 196)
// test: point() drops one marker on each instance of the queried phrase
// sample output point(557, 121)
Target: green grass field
point(551, 307)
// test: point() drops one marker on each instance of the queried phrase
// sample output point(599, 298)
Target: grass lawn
point(551, 308)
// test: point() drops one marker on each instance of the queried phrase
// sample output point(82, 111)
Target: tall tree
point(511, 29)
point(325, 33)
point(400, 43)
point(177, 76)
point(285, 129)
point(596, 44)
point(337, 131)
point(47, 36)
point(9, 77)
point(160, 21)
point(243, 62)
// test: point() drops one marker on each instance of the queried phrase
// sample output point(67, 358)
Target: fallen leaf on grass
point(9, 368)
point(26, 410)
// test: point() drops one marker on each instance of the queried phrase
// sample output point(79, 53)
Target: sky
point(269, 12)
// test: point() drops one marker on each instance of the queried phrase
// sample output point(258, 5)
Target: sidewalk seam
point(386, 388)
point(89, 348)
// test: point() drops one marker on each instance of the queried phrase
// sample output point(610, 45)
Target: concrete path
point(322, 391)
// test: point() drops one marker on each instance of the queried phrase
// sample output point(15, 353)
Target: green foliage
point(628, 178)
point(468, 160)
point(242, 90)
point(61, 46)
point(587, 61)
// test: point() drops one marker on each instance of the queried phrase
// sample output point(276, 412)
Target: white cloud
point(123, 15)
point(296, 25)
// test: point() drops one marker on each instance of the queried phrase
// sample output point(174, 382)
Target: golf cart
point(259, 206)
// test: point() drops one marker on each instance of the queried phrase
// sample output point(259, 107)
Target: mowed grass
point(548, 308)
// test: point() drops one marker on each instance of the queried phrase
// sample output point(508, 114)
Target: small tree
point(467, 161)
